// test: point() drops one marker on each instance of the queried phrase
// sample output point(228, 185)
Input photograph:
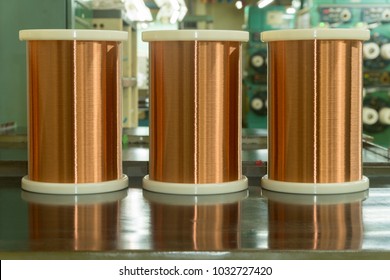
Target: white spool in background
point(371, 50)
point(384, 116)
point(386, 15)
point(257, 104)
point(257, 61)
point(345, 15)
point(385, 51)
point(370, 116)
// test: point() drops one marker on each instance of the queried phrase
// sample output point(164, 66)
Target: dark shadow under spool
point(314, 112)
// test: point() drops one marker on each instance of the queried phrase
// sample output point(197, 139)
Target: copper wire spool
point(309, 222)
point(74, 109)
point(314, 111)
point(195, 111)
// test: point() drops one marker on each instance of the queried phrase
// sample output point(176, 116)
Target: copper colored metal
point(74, 111)
point(315, 111)
point(195, 113)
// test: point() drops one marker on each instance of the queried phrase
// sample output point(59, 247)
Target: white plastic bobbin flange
point(195, 189)
point(315, 188)
point(316, 34)
point(72, 35)
point(73, 200)
point(305, 199)
point(75, 188)
point(195, 35)
point(190, 200)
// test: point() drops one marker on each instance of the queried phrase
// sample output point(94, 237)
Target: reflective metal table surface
point(136, 224)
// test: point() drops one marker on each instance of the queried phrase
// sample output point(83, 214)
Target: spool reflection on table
point(74, 223)
point(74, 111)
point(310, 222)
point(314, 111)
point(195, 222)
point(195, 111)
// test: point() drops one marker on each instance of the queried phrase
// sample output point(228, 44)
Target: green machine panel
point(29, 14)
point(374, 15)
point(255, 78)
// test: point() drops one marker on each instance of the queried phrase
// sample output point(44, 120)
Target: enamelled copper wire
point(315, 111)
point(195, 125)
point(74, 111)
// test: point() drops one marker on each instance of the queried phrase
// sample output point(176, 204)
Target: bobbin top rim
point(72, 34)
point(195, 35)
point(318, 34)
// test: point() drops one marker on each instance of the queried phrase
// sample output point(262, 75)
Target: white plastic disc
point(315, 188)
point(195, 35)
point(257, 61)
point(370, 116)
point(386, 15)
point(385, 51)
point(257, 104)
point(384, 116)
point(70, 188)
point(371, 50)
point(315, 34)
point(345, 15)
point(195, 189)
point(72, 34)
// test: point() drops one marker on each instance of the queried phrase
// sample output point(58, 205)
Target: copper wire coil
point(74, 111)
point(314, 121)
point(195, 113)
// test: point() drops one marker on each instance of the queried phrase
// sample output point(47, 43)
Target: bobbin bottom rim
point(66, 200)
point(314, 199)
point(74, 188)
point(191, 200)
point(195, 189)
point(315, 188)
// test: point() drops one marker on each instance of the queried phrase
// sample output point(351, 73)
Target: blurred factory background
point(136, 16)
